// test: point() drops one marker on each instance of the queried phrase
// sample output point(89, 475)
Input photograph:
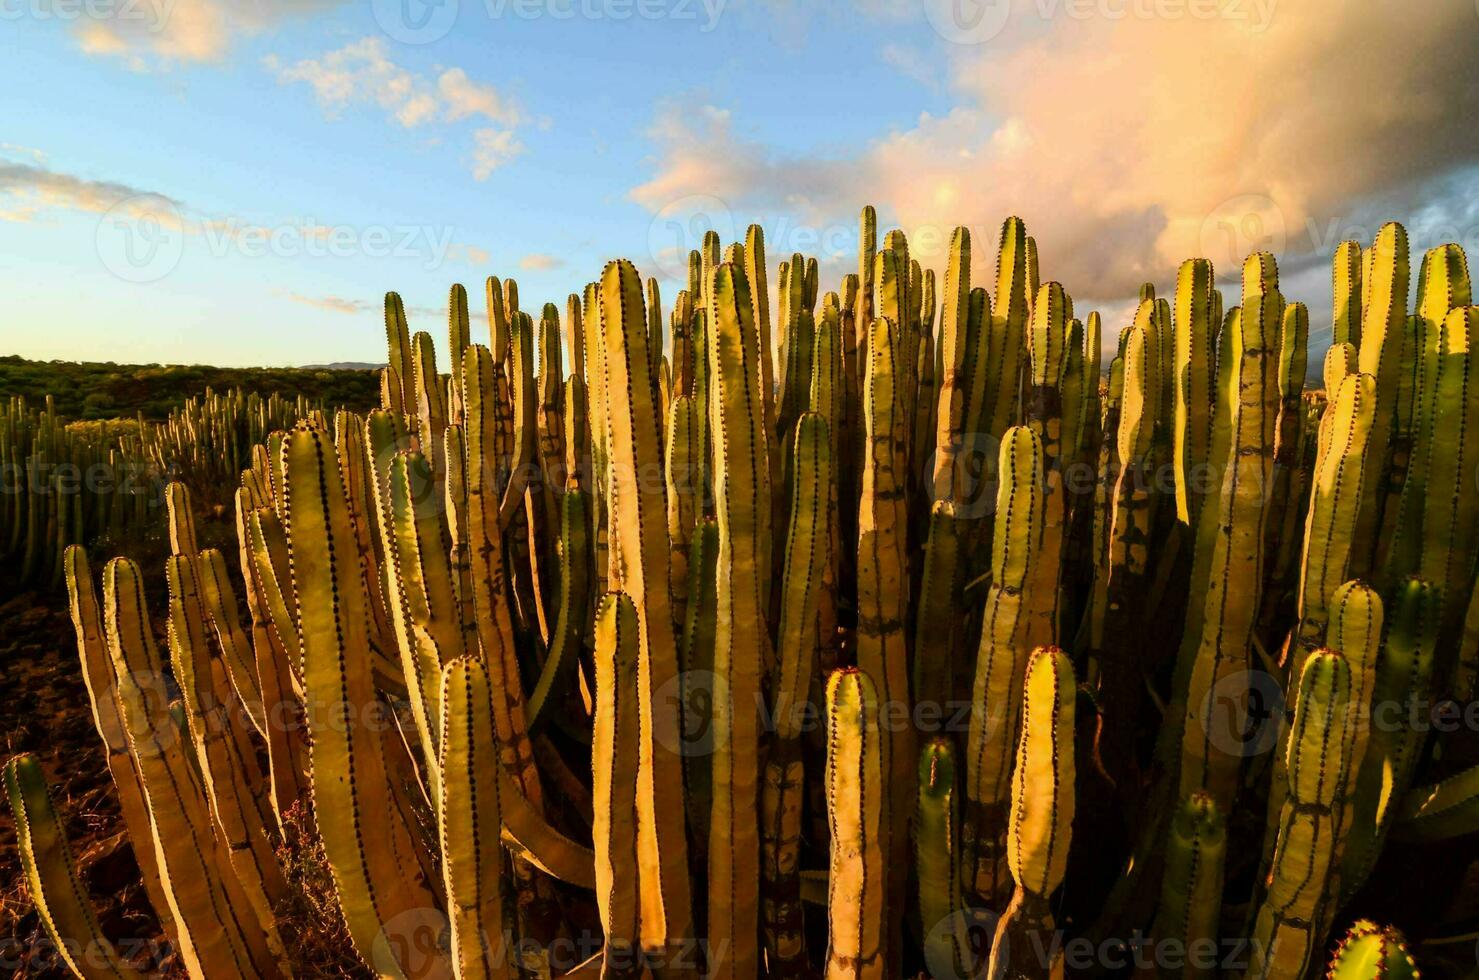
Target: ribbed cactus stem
point(1401, 686)
point(469, 821)
point(384, 897)
point(856, 880)
point(740, 650)
point(1191, 889)
point(639, 568)
point(52, 883)
point(1372, 952)
point(1001, 664)
point(1236, 579)
point(218, 932)
point(806, 565)
point(1289, 927)
point(1193, 387)
point(1040, 826)
point(947, 951)
point(882, 584)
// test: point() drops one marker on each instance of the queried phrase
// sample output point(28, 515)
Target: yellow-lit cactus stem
point(1401, 687)
point(386, 900)
point(219, 933)
point(51, 878)
point(883, 590)
point(614, 748)
point(1385, 284)
point(1047, 337)
point(399, 373)
point(224, 754)
point(1194, 385)
point(490, 584)
point(1001, 664)
point(1341, 476)
point(423, 607)
point(469, 818)
point(286, 753)
point(1372, 952)
point(806, 561)
point(1231, 602)
point(1191, 890)
point(1040, 828)
point(856, 885)
point(1433, 417)
point(1450, 520)
point(1119, 685)
point(685, 502)
point(97, 674)
point(741, 454)
point(639, 568)
point(1293, 363)
point(1289, 928)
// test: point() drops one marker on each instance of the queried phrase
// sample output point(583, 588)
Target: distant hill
point(89, 390)
point(345, 366)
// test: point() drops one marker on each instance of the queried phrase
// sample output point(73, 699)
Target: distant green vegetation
point(87, 390)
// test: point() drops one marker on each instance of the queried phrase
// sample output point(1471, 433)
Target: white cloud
point(363, 73)
point(492, 149)
point(1129, 144)
point(540, 263)
point(28, 190)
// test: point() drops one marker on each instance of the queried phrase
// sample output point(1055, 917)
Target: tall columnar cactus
point(1401, 686)
point(856, 881)
point(1384, 286)
point(806, 562)
point(1193, 388)
point(742, 453)
point(469, 821)
point(97, 674)
point(1236, 578)
point(614, 750)
point(1010, 310)
point(1346, 288)
point(384, 895)
point(1331, 534)
point(1290, 924)
point(882, 584)
point(1008, 635)
point(224, 754)
point(1041, 824)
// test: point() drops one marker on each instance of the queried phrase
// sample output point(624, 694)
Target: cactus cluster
point(873, 633)
point(100, 484)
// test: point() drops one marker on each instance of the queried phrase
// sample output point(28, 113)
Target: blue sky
point(239, 181)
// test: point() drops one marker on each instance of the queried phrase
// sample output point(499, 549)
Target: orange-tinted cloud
point(1130, 142)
